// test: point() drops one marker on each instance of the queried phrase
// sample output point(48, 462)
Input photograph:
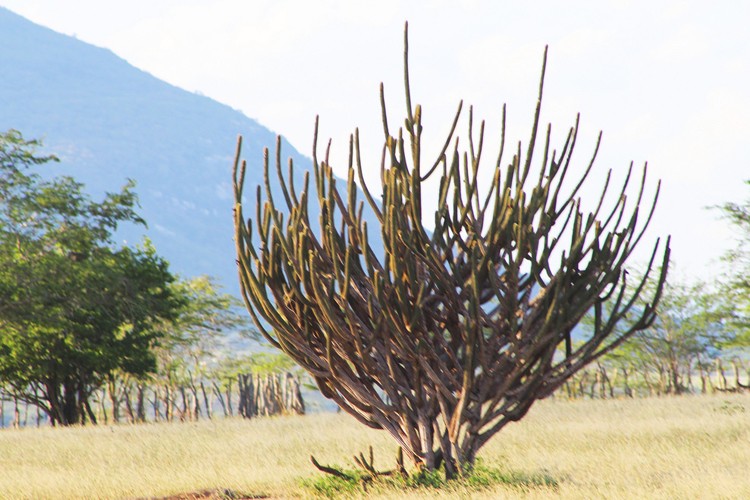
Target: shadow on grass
point(481, 477)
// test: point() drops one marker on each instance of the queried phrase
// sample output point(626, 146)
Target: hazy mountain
point(109, 121)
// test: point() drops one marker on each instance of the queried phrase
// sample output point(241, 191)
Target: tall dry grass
point(685, 447)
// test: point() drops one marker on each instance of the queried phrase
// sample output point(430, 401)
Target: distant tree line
point(91, 329)
point(698, 342)
point(161, 399)
point(95, 331)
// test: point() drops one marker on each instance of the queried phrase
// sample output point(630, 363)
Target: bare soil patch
point(215, 494)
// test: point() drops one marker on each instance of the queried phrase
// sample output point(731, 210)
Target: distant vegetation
point(91, 330)
point(698, 342)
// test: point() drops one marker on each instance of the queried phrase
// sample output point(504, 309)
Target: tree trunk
point(689, 376)
point(582, 383)
point(647, 381)
point(206, 402)
point(88, 411)
point(613, 382)
point(167, 404)
point(229, 396)
point(67, 402)
point(16, 413)
point(140, 411)
point(702, 372)
point(156, 403)
point(594, 383)
point(736, 368)
point(114, 400)
point(626, 382)
point(220, 397)
point(128, 404)
point(184, 409)
point(38, 416)
point(102, 411)
point(720, 374)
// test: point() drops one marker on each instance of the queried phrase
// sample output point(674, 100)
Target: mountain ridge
point(108, 122)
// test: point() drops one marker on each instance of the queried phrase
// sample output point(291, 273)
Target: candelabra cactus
point(450, 333)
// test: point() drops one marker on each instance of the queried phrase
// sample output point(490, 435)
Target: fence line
point(133, 401)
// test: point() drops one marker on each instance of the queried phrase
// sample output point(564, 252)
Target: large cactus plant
point(454, 331)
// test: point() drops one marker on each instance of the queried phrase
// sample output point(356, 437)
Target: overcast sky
point(668, 82)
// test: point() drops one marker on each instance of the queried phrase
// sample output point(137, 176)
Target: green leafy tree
point(691, 327)
point(452, 333)
point(191, 352)
point(74, 308)
point(737, 280)
point(195, 340)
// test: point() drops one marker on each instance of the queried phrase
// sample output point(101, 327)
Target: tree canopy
point(737, 282)
point(195, 340)
point(74, 306)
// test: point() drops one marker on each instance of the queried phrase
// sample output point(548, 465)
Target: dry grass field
point(685, 447)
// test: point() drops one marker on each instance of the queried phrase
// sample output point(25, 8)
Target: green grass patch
point(481, 477)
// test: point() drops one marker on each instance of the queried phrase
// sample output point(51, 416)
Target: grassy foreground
point(687, 447)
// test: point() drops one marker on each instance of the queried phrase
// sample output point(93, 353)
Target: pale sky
point(667, 81)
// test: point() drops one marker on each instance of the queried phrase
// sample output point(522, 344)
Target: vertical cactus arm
point(449, 138)
point(374, 206)
point(586, 173)
point(315, 164)
point(535, 123)
point(544, 171)
point(290, 176)
point(650, 215)
point(407, 86)
point(238, 171)
point(415, 141)
point(280, 175)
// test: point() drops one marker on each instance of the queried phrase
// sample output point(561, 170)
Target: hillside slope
point(109, 121)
